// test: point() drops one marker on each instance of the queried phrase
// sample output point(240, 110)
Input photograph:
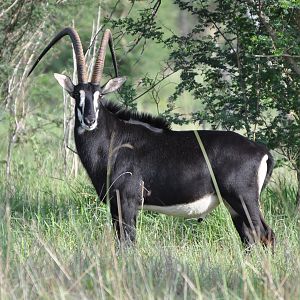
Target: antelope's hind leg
point(243, 205)
point(269, 238)
point(250, 224)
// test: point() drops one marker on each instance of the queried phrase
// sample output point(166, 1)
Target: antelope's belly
point(196, 209)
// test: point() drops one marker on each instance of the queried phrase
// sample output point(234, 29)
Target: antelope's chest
point(196, 209)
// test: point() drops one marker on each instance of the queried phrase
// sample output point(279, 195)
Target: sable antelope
point(162, 170)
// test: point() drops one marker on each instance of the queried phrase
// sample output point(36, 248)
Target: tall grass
point(57, 243)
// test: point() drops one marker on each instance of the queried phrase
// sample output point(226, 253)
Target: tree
point(241, 61)
point(20, 32)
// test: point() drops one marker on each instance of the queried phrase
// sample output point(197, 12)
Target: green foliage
point(128, 94)
point(246, 83)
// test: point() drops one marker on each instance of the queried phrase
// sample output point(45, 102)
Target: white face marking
point(80, 113)
point(80, 118)
point(262, 173)
point(196, 209)
point(82, 99)
point(95, 100)
point(80, 128)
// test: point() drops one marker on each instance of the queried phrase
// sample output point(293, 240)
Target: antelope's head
point(87, 94)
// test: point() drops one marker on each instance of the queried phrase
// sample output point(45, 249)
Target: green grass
point(57, 243)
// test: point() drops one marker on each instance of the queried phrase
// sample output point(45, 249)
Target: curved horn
point(99, 64)
point(80, 59)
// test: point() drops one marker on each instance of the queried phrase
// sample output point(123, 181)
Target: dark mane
point(127, 115)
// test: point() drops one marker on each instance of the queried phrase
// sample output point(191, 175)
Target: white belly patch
point(196, 209)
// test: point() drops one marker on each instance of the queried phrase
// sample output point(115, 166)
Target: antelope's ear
point(65, 82)
point(112, 85)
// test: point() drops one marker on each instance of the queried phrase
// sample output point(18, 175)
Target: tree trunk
point(298, 190)
point(184, 23)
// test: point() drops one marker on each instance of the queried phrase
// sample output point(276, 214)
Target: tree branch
point(272, 33)
point(8, 9)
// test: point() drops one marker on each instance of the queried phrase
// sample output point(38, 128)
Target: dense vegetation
point(222, 64)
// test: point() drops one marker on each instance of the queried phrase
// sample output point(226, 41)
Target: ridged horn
point(80, 59)
point(100, 59)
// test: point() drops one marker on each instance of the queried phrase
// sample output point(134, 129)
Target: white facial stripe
point(82, 100)
point(79, 115)
point(95, 100)
point(82, 97)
